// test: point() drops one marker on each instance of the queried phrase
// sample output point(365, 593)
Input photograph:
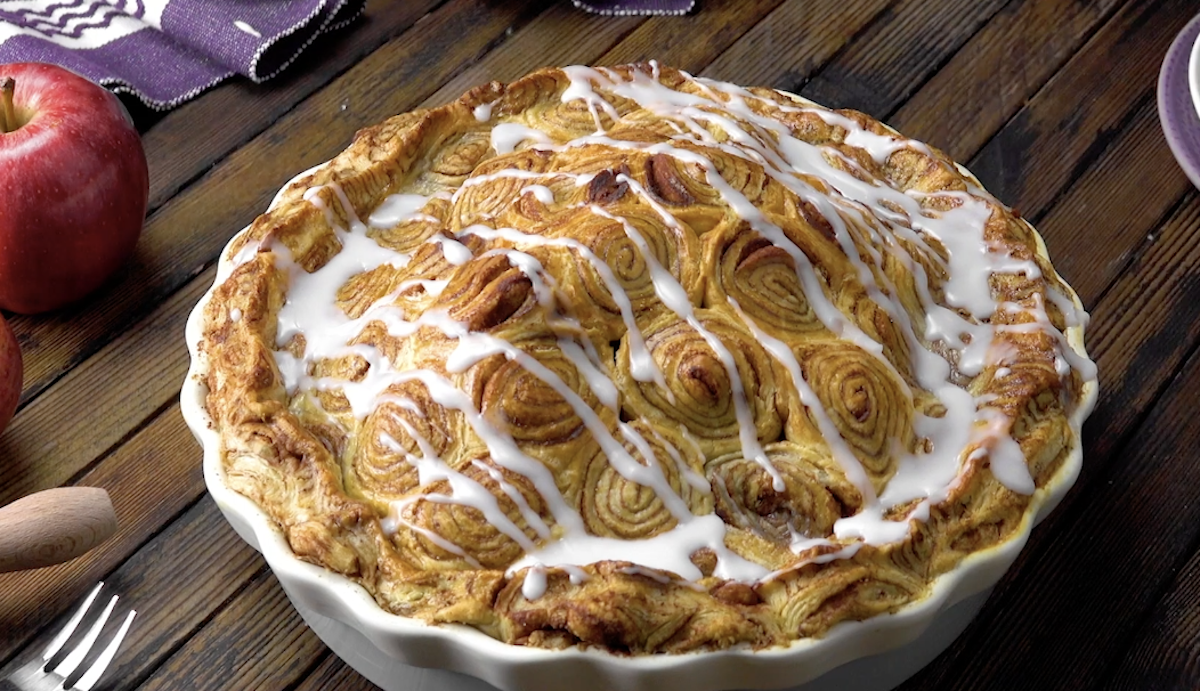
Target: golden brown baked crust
point(490, 394)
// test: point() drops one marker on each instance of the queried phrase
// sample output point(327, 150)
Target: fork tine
point(92, 675)
point(61, 638)
point(68, 665)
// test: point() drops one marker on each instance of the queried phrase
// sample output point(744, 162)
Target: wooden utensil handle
point(54, 526)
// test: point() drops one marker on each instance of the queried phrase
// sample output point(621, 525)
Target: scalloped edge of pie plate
point(872, 655)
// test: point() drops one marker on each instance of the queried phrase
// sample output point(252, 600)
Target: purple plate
point(636, 6)
point(1180, 123)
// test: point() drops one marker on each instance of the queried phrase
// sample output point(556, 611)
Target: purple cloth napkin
point(636, 6)
point(167, 51)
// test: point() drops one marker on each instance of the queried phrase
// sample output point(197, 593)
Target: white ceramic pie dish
point(872, 655)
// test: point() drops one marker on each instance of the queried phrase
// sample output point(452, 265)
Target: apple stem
point(8, 119)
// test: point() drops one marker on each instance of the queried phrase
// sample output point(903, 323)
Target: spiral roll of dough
point(405, 426)
point(565, 120)
point(457, 158)
point(815, 492)
point(613, 505)
point(865, 402)
point(526, 406)
point(811, 599)
point(643, 127)
point(617, 244)
point(410, 232)
point(494, 186)
point(745, 267)
point(532, 212)
point(736, 174)
point(488, 294)
point(703, 394)
point(878, 325)
point(685, 186)
point(481, 523)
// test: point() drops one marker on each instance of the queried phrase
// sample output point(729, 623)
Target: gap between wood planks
point(1168, 634)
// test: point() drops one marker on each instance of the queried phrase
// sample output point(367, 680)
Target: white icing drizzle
point(541, 193)
point(1007, 461)
point(667, 551)
point(870, 221)
point(396, 208)
point(534, 585)
point(575, 574)
point(676, 299)
point(696, 480)
point(837, 445)
point(658, 576)
point(507, 136)
point(316, 302)
point(515, 495)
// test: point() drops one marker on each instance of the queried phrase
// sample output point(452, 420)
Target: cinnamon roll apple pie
point(629, 359)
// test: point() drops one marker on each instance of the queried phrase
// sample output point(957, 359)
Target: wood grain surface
point(1050, 102)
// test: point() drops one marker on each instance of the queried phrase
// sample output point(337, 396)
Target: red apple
point(11, 373)
point(73, 186)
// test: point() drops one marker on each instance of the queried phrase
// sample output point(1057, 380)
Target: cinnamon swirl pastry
point(623, 358)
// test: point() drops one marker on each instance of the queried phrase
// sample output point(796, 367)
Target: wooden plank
point(258, 641)
point(181, 578)
point(116, 391)
point(1144, 327)
point(896, 54)
point(1094, 228)
point(1165, 651)
point(784, 49)
point(188, 140)
point(1075, 117)
point(1081, 582)
point(994, 72)
point(691, 42)
point(564, 36)
point(184, 236)
point(151, 479)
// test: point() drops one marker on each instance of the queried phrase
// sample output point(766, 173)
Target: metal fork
point(37, 676)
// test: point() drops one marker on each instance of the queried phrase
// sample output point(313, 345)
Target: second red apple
point(11, 373)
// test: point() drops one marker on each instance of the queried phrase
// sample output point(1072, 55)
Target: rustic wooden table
point(1050, 102)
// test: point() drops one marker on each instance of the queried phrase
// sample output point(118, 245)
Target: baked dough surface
point(623, 358)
